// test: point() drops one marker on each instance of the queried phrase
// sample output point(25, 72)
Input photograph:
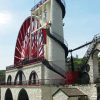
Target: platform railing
point(91, 47)
point(35, 82)
point(41, 82)
point(25, 62)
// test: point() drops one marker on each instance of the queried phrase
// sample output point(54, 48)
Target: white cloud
point(5, 17)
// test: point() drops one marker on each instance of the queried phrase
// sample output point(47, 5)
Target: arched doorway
point(8, 95)
point(20, 78)
point(9, 79)
point(23, 95)
point(33, 78)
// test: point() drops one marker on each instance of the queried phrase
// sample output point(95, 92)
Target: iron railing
point(40, 82)
point(25, 62)
point(36, 82)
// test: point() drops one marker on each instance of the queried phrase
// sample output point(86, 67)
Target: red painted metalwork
point(72, 77)
point(30, 41)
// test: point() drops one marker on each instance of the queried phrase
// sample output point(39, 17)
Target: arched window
point(20, 78)
point(9, 79)
point(33, 78)
point(8, 95)
point(23, 95)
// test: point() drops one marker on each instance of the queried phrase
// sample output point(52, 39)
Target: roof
point(71, 92)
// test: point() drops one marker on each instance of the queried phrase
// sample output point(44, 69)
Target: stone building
point(39, 70)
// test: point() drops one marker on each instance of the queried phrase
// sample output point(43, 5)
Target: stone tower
point(40, 54)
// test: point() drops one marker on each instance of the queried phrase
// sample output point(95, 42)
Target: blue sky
point(82, 22)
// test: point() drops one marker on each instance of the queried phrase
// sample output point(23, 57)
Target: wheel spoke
point(23, 49)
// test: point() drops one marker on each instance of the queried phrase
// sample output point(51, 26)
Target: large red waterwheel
point(30, 41)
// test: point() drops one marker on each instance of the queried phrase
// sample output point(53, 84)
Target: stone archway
point(20, 78)
point(95, 65)
point(9, 80)
point(8, 95)
point(94, 72)
point(23, 95)
point(33, 78)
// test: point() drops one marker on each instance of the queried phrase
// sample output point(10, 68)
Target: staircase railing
point(91, 47)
